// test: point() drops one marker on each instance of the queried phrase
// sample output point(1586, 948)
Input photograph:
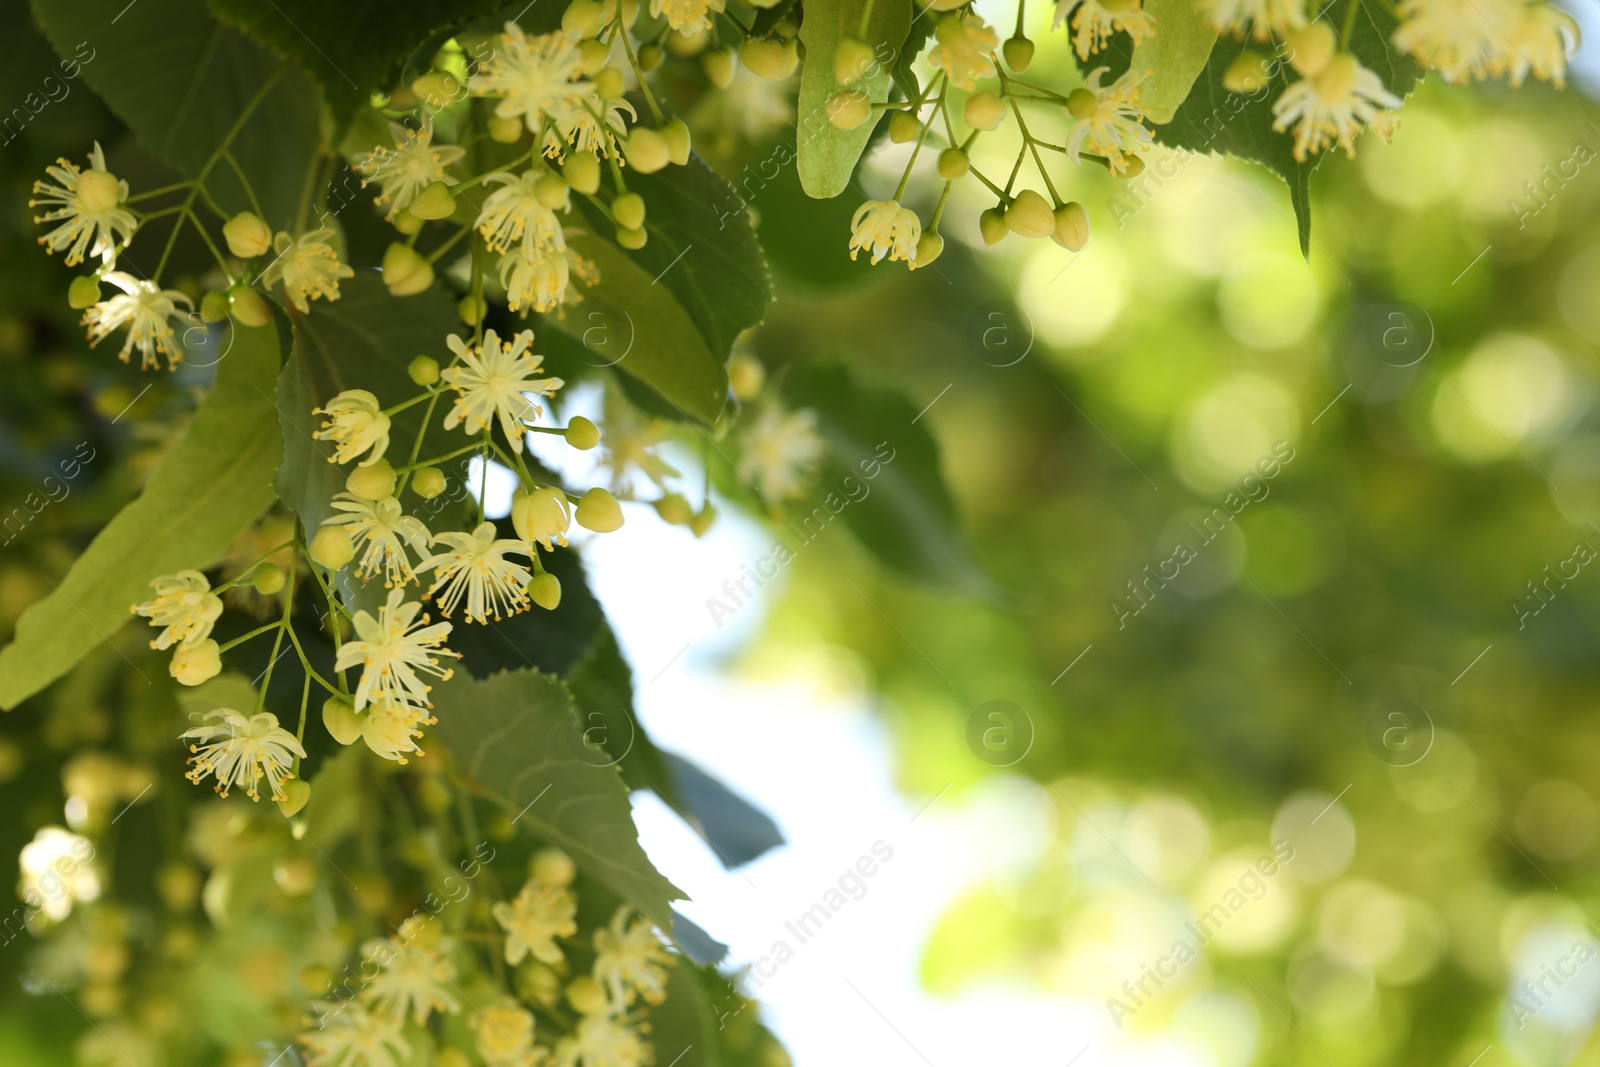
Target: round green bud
point(428, 482)
point(268, 579)
point(506, 129)
point(551, 191)
point(582, 172)
point(471, 309)
point(1072, 227)
point(582, 17)
point(703, 519)
point(633, 240)
point(651, 56)
point(1081, 103)
point(674, 509)
point(1132, 167)
point(372, 482)
point(953, 163)
point(342, 721)
point(984, 110)
point(992, 225)
point(746, 376)
point(851, 60)
point(609, 84)
point(435, 202)
point(676, 134)
point(718, 67)
point(249, 307)
point(424, 370)
point(214, 307)
point(628, 210)
point(296, 794)
point(83, 292)
point(764, 59)
point(1246, 74)
point(437, 89)
point(848, 108)
point(1030, 215)
point(788, 27)
point(586, 996)
point(1312, 48)
point(545, 590)
point(553, 867)
point(599, 511)
point(405, 272)
point(582, 434)
point(592, 56)
point(647, 151)
point(904, 126)
point(332, 548)
point(929, 247)
point(247, 236)
point(407, 223)
point(1018, 52)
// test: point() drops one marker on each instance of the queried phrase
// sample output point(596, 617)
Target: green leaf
point(1212, 119)
point(349, 48)
point(828, 154)
point(645, 332)
point(916, 38)
point(511, 734)
point(181, 82)
point(682, 1027)
point(805, 239)
point(209, 488)
point(905, 517)
point(1177, 53)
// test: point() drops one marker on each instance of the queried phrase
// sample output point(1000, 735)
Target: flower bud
point(372, 482)
point(582, 434)
point(83, 292)
point(984, 111)
point(848, 108)
point(647, 151)
point(428, 482)
point(331, 548)
point(405, 272)
point(268, 579)
point(247, 236)
point(632, 239)
point(851, 60)
point(98, 191)
point(296, 794)
point(703, 519)
point(953, 163)
point(1081, 103)
point(424, 370)
point(676, 134)
point(1246, 74)
point(592, 56)
point(506, 129)
point(340, 718)
point(582, 17)
point(929, 246)
point(992, 225)
point(1132, 167)
point(201, 663)
point(214, 307)
point(1072, 227)
point(437, 89)
point(551, 191)
point(1311, 48)
point(586, 996)
point(904, 126)
point(599, 511)
point(544, 589)
point(764, 59)
point(436, 202)
point(582, 172)
point(470, 309)
point(628, 210)
point(553, 867)
point(541, 517)
point(609, 84)
point(674, 509)
point(1030, 215)
point(651, 56)
point(407, 223)
point(249, 307)
point(1018, 52)
point(718, 67)
point(746, 376)
point(630, 11)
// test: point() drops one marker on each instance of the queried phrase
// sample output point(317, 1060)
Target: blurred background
point(1319, 789)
